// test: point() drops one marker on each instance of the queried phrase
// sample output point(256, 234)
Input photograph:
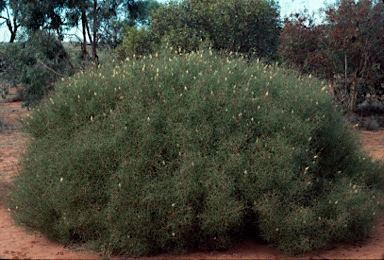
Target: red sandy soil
point(17, 243)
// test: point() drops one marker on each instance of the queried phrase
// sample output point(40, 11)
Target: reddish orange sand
point(17, 243)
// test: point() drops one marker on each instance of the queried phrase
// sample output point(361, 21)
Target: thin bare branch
point(50, 69)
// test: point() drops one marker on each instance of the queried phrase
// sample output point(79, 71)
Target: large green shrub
point(232, 25)
point(173, 152)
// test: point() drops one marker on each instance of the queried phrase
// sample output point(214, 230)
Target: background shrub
point(136, 42)
point(173, 152)
point(238, 26)
point(35, 65)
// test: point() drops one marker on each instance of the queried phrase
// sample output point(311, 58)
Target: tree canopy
point(100, 21)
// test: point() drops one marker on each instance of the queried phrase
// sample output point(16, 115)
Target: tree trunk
point(353, 103)
point(83, 24)
point(13, 37)
point(12, 28)
point(345, 73)
point(15, 27)
point(94, 43)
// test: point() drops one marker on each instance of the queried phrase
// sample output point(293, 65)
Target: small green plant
point(180, 151)
point(136, 42)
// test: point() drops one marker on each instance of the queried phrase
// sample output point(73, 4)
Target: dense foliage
point(238, 26)
point(173, 152)
point(136, 42)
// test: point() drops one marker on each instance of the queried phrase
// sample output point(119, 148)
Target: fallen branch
point(47, 67)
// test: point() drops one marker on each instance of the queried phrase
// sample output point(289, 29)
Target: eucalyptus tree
point(97, 20)
point(9, 15)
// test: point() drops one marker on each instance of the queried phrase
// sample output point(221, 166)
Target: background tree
point(11, 10)
point(44, 15)
point(37, 62)
point(356, 36)
point(129, 14)
point(304, 43)
point(57, 14)
point(98, 19)
point(346, 49)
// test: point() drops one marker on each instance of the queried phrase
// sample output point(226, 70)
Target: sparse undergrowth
point(174, 152)
point(3, 125)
